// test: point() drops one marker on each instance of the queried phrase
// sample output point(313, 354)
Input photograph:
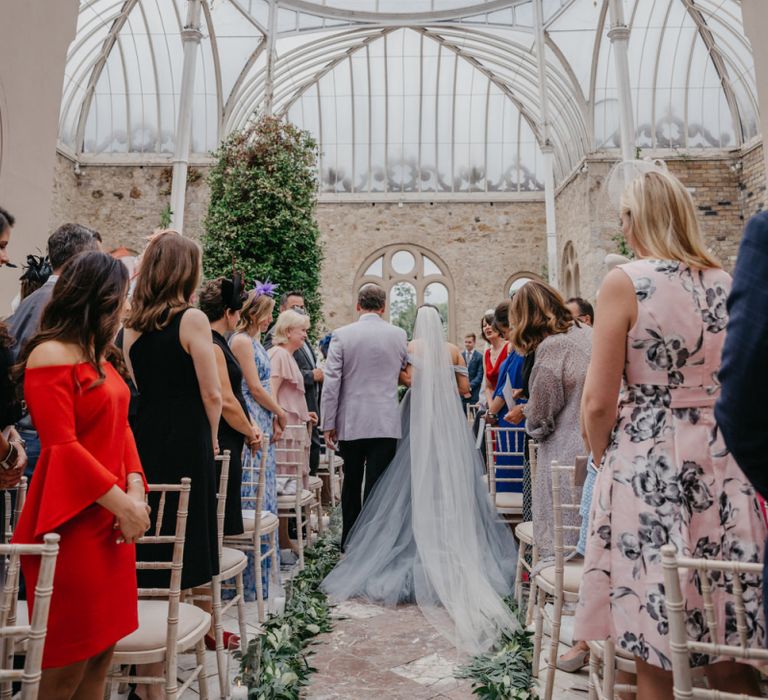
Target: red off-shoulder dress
point(86, 448)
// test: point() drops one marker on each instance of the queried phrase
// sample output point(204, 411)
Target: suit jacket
point(741, 411)
point(475, 369)
point(23, 324)
point(359, 397)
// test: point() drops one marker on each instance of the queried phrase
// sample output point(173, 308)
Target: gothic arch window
point(518, 280)
point(411, 276)
point(569, 275)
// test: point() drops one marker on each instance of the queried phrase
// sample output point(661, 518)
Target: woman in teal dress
point(247, 348)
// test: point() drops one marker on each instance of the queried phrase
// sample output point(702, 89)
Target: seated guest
point(666, 477)
point(88, 486)
point(581, 310)
point(221, 300)
point(541, 322)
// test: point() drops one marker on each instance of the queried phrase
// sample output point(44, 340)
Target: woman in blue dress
point(250, 353)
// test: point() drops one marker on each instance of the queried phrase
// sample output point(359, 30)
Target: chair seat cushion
point(524, 532)
point(509, 500)
point(572, 576)
point(232, 560)
point(153, 627)
point(315, 482)
point(268, 521)
point(287, 502)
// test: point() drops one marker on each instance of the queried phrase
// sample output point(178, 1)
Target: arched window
point(570, 275)
point(518, 280)
point(411, 276)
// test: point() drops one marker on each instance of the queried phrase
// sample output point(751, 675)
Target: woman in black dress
point(168, 349)
point(221, 301)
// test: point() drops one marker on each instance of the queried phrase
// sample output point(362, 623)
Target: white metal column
point(547, 150)
point(269, 84)
point(619, 36)
point(190, 37)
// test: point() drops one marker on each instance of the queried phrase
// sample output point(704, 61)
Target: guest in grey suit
point(359, 404)
point(64, 243)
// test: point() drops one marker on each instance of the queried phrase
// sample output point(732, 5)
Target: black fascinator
point(233, 292)
point(37, 270)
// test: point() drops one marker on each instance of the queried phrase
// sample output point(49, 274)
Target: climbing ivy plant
point(261, 216)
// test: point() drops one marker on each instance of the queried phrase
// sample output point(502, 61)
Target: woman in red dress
point(494, 356)
point(88, 485)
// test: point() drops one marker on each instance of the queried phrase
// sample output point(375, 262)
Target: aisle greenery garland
point(275, 665)
point(506, 672)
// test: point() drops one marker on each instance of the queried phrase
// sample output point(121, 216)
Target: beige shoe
point(575, 663)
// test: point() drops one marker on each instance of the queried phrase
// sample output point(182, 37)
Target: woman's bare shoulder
point(55, 352)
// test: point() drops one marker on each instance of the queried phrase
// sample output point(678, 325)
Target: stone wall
point(753, 191)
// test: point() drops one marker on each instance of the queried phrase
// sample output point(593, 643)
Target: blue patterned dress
point(263, 419)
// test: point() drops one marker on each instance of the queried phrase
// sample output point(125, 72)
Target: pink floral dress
point(667, 476)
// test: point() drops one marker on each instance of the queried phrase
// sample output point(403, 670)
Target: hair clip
point(37, 269)
point(233, 292)
point(264, 289)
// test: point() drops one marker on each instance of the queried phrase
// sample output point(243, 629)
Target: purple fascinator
point(264, 289)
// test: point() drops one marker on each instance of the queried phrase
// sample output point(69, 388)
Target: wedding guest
point(541, 323)
point(474, 362)
point(665, 474)
point(271, 419)
point(221, 300)
point(287, 384)
point(494, 355)
point(581, 310)
point(89, 486)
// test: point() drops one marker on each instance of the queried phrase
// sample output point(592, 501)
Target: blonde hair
point(254, 310)
point(169, 273)
point(663, 220)
point(536, 312)
point(286, 321)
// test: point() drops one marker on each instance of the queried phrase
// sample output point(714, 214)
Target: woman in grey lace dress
point(542, 323)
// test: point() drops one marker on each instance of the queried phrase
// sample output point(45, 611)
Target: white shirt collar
point(369, 314)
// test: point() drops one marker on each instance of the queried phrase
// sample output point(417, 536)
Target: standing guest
point(271, 419)
point(494, 355)
point(169, 350)
point(313, 375)
point(665, 476)
point(89, 486)
point(64, 244)
point(287, 384)
point(581, 310)
point(741, 415)
point(360, 408)
point(474, 361)
point(221, 300)
point(541, 323)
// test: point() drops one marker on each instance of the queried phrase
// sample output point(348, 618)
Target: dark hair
point(585, 308)
point(372, 298)
point(487, 320)
point(84, 309)
point(70, 240)
point(6, 219)
point(211, 301)
point(284, 297)
point(501, 316)
point(536, 312)
point(471, 335)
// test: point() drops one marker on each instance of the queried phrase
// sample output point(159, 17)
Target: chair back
point(502, 443)
point(254, 476)
point(13, 502)
point(566, 498)
point(292, 454)
point(472, 409)
point(221, 499)
point(12, 634)
point(746, 579)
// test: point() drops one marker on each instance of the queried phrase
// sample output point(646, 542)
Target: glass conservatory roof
point(411, 95)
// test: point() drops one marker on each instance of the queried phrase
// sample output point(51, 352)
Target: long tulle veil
point(465, 555)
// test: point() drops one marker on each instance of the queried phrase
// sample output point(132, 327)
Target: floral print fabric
point(667, 477)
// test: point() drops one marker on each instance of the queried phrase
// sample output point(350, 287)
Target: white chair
point(167, 627)
point(12, 508)
point(527, 546)
point(560, 581)
point(605, 661)
point(15, 627)
point(506, 442)
point(472, 409)
point(681, 646)
point(258, 524)
point(330, 471)
point(232, 563)
point(292, 452)
point(315, 485)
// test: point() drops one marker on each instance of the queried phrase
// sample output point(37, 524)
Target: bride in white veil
point(428, 532)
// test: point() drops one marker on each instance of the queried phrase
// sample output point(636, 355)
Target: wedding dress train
point(428, 532)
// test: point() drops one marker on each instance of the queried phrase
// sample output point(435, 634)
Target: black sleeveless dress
point(232, 440)
point(174, 440)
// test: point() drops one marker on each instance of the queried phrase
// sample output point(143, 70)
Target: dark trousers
point(370, 458)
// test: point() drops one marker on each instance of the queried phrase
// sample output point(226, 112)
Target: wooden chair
point(505, 442)
point(167, 627)
point(293, 452)
point(315, 485)
point(560, 581)
point(527, 545)
point(472, 409)
point(13, 502)
point(681, 646)
point(15, 627)
point(604, 663)
point(258, 524)
point(330, 472)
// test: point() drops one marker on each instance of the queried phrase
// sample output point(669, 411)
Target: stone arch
point(413, 275)
point(570, 275)
point(518, 280)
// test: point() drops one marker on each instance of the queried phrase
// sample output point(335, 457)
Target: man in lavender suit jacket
point(359, 405)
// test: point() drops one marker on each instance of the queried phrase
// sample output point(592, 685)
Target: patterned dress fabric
point(667, 476)
point(263, 419)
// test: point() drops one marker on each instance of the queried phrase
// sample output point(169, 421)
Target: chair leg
point(539, 615)
point(300, 536)
point(218, 633)
point(594, 671)
point(259, 586)
point(240, 592)
point(609, 669)
point(202, 679)
point(554, 645)
point(320, 525)
point(518, 587)
point(275, 556)
point(532, 589)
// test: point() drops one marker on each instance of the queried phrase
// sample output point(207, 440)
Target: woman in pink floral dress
point(666, 475)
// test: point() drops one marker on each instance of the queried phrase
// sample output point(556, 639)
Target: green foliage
point(166, 216)
point(261, 214)
point(623, 247)
point(505, 673)
point(275, 665)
